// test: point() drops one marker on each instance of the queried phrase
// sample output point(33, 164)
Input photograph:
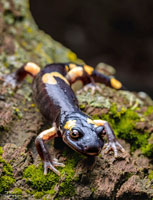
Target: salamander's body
point(58, 104)
point(55, 100)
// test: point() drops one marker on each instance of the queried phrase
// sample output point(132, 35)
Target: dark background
point(119, 33)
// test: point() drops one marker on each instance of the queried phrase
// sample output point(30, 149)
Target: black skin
point(58, 104)
point(54, 101)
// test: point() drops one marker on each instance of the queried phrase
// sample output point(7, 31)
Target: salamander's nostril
point(85, 147)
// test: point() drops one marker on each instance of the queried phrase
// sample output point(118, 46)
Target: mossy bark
point(22, 41)
point(21, 172)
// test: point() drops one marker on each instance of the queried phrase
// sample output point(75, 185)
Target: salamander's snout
point(92, 145)
point(92, 150)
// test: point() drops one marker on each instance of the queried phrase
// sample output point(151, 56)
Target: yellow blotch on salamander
point(70, 124)
point(72, 66)
point(90, 121)
point(47, 134)
point(74, 73)
point(88, 69)
point(32, 68)
point(56, 74)
point(115, 83)
point(99, 122)
point(67, 68)
point(49, 78)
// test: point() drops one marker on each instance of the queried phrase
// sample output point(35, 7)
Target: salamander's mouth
point(91, 152)
point(84, 152)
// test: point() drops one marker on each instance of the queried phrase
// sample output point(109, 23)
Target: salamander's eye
point(75, 134)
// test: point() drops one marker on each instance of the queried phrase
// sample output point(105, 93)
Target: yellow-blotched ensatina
point(58, 104)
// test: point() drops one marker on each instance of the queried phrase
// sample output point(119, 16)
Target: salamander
point(58, 104)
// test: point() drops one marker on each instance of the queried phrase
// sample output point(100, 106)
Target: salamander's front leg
point(112, 143)
point(43, 152)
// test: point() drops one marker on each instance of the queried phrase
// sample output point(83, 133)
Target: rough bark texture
point(21, 172)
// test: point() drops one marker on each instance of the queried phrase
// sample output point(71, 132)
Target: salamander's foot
point(113, 146)
point(92, 87)
point(49, 165)
point(57, 164)
point(10, 80)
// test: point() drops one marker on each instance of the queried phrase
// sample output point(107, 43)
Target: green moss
point(93, 100)
point(38, 195)
point(5, 183)
point(67, 186)
point(123, 122)
point(148, 150)
point(51, 192)
point(6, 178)
point(28, 191)
point(35, 178)
point(45, 184)
point(1, 151)
point(93, 190)
point(149, 110)
point(150, 176)
point(17, 191)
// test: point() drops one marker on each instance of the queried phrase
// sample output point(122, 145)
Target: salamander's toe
point(93, 87)
point(48, 165)
point(114, 146)
point(57, 164)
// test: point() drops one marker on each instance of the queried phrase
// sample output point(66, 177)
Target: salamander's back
point(53, 93)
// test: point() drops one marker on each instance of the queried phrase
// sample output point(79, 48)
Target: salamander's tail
point(17, 77)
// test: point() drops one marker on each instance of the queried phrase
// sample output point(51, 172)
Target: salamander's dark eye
point(75, 134)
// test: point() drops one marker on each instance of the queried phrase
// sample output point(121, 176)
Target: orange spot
point(48, 135)
point(99, 122)
point(88, 69)
point(56, 74)
point(32, 68)
point(75, 73)
point(49, 78)
point(115, 83)
point(90, 121)
point(72, 66)
point(67, 68)
point(70, 124)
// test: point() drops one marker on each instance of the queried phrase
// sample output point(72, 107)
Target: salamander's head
point(82, 134)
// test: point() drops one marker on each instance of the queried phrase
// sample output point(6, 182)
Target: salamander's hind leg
point(48, 162)
point(17, 77)
point(89, 76)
